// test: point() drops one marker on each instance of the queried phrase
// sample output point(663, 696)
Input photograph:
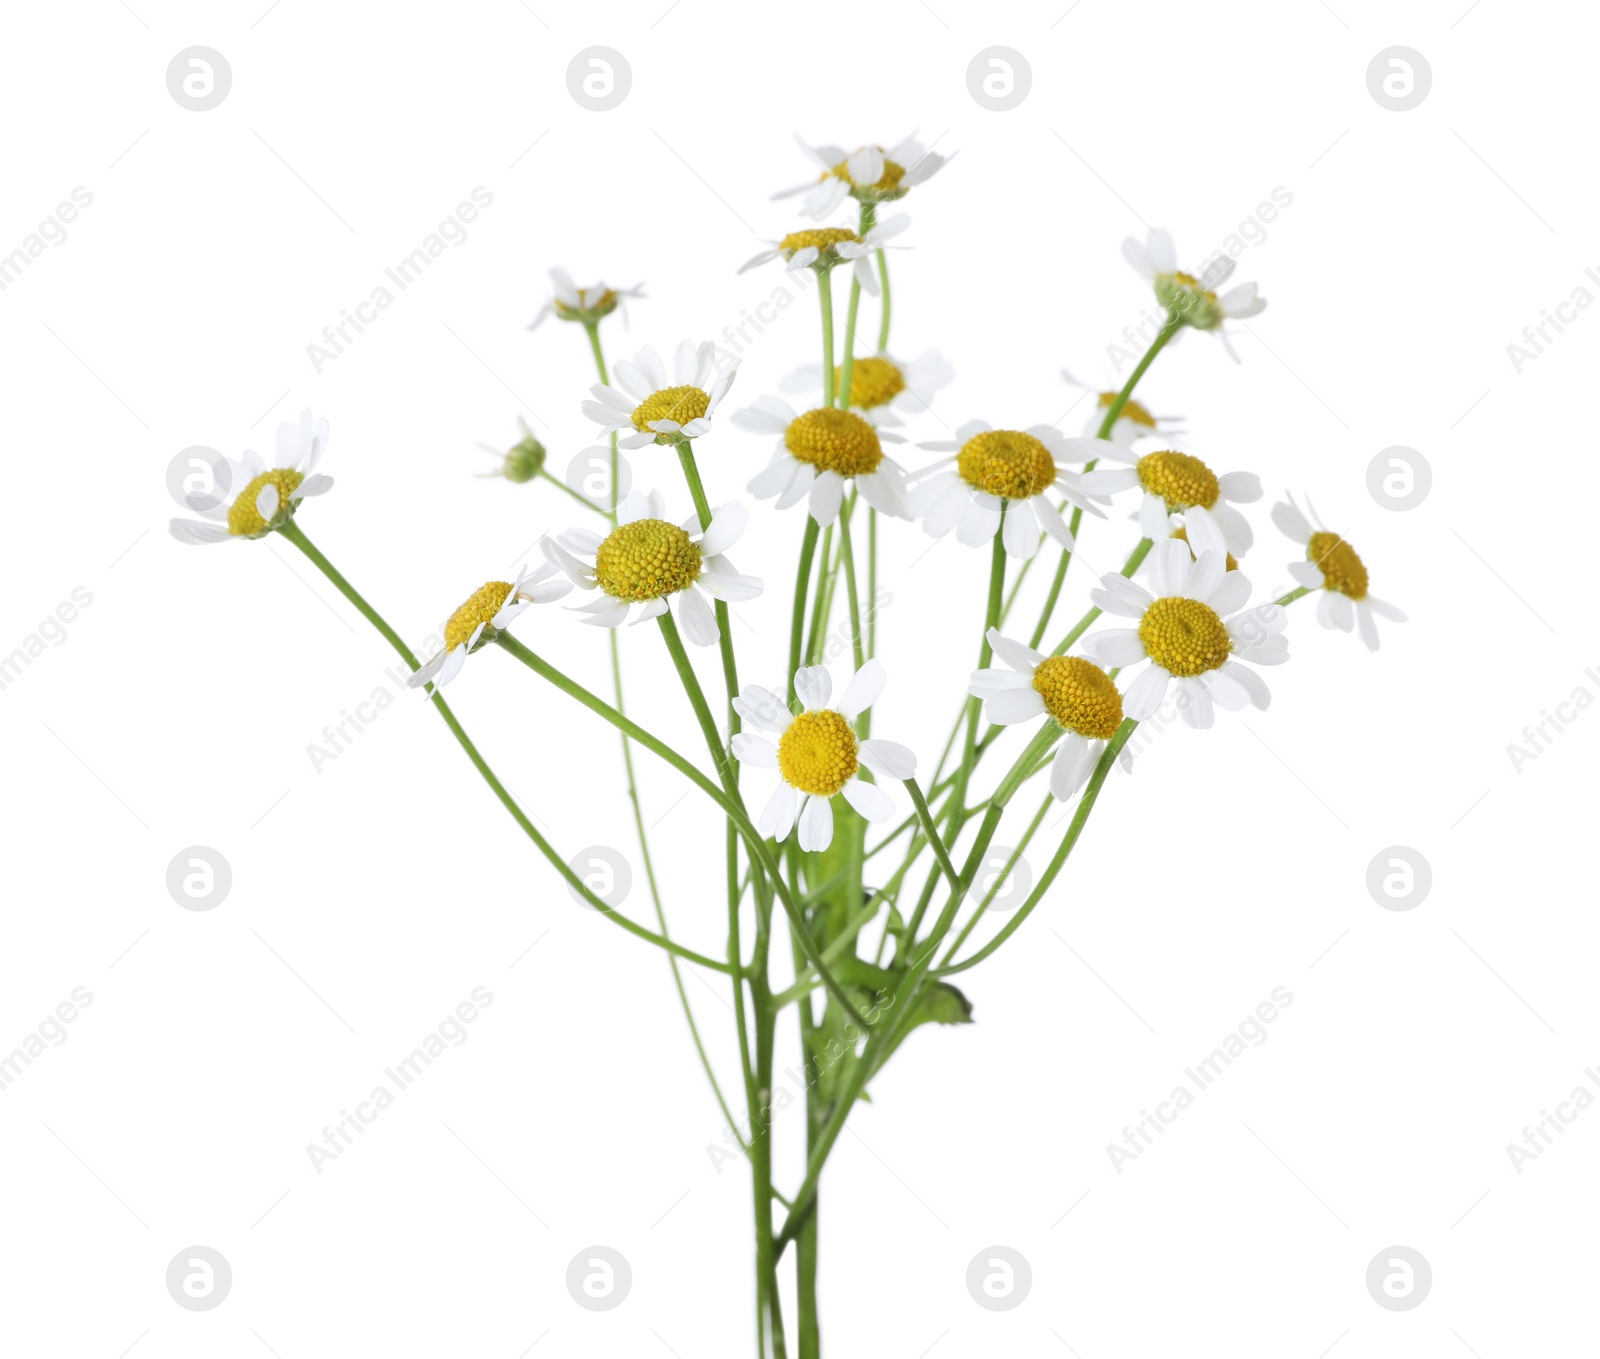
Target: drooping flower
point(1133, 422)
point(649, 561)
point(1075, 693)
point(1191, 297)
point(258, 498)
point(818, 754)
point(487, 612)
point(1332, 566)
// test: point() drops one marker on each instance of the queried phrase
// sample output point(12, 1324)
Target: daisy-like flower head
point(817, 453)
point(486, 613)
point(1077, 694)
point(1332, 566)
point(817, 754)
point(823, 247)
point(1179, 483)
point(1193, 298)
point(1194, 630)
point(522, 462)
point(569, 302)
point(259, 498)
point(647, 560)
point(871, 175)
point(1133, 422)
point(658, 410)
point(990, 468)
point(883, 389)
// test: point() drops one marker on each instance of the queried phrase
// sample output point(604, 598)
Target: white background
point(371, 897)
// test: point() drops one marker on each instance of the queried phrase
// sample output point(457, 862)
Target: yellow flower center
point(834, 441)
point(647, 559)
point(1080, 696)
point(822, 238)
point(817, 753)
point(1342, 570)
point(890, 179)
point(480, 608)
point(682, 404)
point(873, 382)
point(1184, 636)
point(1182, 535)
point(1178, 479)
point(1131, 410)
point(1006, 463)
point(244, 519)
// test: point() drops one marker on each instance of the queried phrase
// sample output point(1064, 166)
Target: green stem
point(802, 582)
point(825, 298)
point(295, 535)
point(1000, 877)
point(847, 557)
point(1091, 794)
point(1141, 550)
point(581, 499)
point(883, 323)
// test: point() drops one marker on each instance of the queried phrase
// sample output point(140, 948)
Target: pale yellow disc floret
point(484, 604)
point(1079, 695)
point(834, 441)
point(1179, 479)
point(1006, 463)
point(682, 404)
point(647, 559)
point(244, 519)
point(1341, 569)
point(817, 753)
point(1184, 636)
point(818, 238)
point(1131, 410)
point(873, 383)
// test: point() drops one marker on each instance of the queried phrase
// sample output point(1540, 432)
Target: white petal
point(267, 501)
point(1194, 704)
point(870, 800)
point(1242, 488)
point(1115, 646)
point(1010, 706)
point(1108, 480)
point(695, 617)
point(197, 532)
point(1071, 766)
point(1170, 561)
point(721, 581)
point(1291, 522)
point(1014, 653)
point(1147, 692)
point(728, 524)
point(754, 750)
point(863, 690)
point(1020, 530)
point(1122, 597)
point(866, 166)
point(813, 686)
point(816, 824)
point(1204, 531)
point(762, 708)
point(777, 817)
point(1051, 522)
point(827, 494)
point(988, 683)
point(980, 521)
point(889, 759)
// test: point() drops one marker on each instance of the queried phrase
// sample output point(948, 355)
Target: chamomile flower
point(824, 247)
point(1332, 566)
point(817, 453)
point(1133, 422)
point(1075, 693)
point(487, 612)
point(569, 302)
point(1017, 469)
point(648, 561)
point(523, 461)
point(817, 754)
point(871, 175)
point(1179, 483)
point(259, 498)
point(883, 389)
point(1193, 298)
point(660, 411)
point(1193, 630)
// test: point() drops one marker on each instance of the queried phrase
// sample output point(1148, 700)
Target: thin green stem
point(581, 499)
point(825, 299)
point(1141, 550)
point(883, 321)
point(802, 582)
point(1086, 804)
point(848, 559)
